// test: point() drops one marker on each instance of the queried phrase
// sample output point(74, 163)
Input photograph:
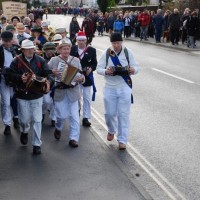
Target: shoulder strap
point(25, 65)
point(107, 55)
point(125, 52)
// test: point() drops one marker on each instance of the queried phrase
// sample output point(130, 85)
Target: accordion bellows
point(68, 74)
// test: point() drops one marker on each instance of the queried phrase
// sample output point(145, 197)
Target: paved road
point(162, 157)
point(164, 139)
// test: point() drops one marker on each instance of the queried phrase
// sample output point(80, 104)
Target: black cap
point(115, 37)
point(36, 29)
point(15, 17)
point(7, 36)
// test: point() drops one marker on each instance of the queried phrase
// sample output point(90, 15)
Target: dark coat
point(174, 21)
point(88, 27)
point(192, 26)
point(37, 65)
point(158, 21)
point(89, 60)
point(74, 28)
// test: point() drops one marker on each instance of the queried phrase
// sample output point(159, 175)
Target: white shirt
point(7, 58)
point(80, 52)
point(116, 81)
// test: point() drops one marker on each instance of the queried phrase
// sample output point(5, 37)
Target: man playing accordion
point(67, 91)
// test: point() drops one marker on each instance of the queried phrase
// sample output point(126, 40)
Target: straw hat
point(64, 42)
point(61, 30)
point(20, 27)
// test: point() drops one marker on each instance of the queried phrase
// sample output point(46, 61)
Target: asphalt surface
point(60, 172)
point(164, 130)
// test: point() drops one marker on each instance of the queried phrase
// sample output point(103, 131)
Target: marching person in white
point(7, 52)
point(66, 97)
point(117, 93)
point(88, 59)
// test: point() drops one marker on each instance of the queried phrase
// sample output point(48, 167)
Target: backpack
point(125, 52)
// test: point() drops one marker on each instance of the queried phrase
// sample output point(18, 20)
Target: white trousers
point(86, 95)
point(117, 104)
point(64, 109)
point(31, 111)
point(48, 105)
point(6, 95)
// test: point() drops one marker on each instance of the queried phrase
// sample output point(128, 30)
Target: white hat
point(27, 44)
point(44, 24)
point(64, 42)
point(57, 38)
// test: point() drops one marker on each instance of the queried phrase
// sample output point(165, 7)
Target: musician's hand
point(131, 70)
point(109, 71)
point(24, 77)
point(79, 79)
point(56, 72)
point(47, 86)
point(88, 71)
point(36, 41)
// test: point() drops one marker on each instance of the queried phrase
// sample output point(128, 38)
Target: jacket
point(174, 21)
point(89, 60)
point(37, 65)
point(74, 93)
point(144, 19)
point(118, 25)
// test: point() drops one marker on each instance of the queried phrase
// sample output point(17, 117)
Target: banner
point(11, 8)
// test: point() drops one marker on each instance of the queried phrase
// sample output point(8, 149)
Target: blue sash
point(93, 86)
point(116, 63)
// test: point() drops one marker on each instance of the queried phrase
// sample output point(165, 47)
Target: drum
point(36, 84)
point(68, 74)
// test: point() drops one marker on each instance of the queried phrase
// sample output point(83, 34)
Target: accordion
point(120, 71)
point(36, 84)
point(68, 75)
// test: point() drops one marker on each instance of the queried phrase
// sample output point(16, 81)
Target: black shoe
point(85, 122)
point(36, 150)
point(53, 123)
point(15, 123)
point(73, 143)
point(57, 134)
point(7, 130)
point(24, 138)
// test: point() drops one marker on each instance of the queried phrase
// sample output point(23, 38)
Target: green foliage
point(116, 1)
point(103, 4)
point(132, 2)
point(111, 3)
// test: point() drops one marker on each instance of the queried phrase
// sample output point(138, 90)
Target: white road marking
point(142, 162)
point(174, 76)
